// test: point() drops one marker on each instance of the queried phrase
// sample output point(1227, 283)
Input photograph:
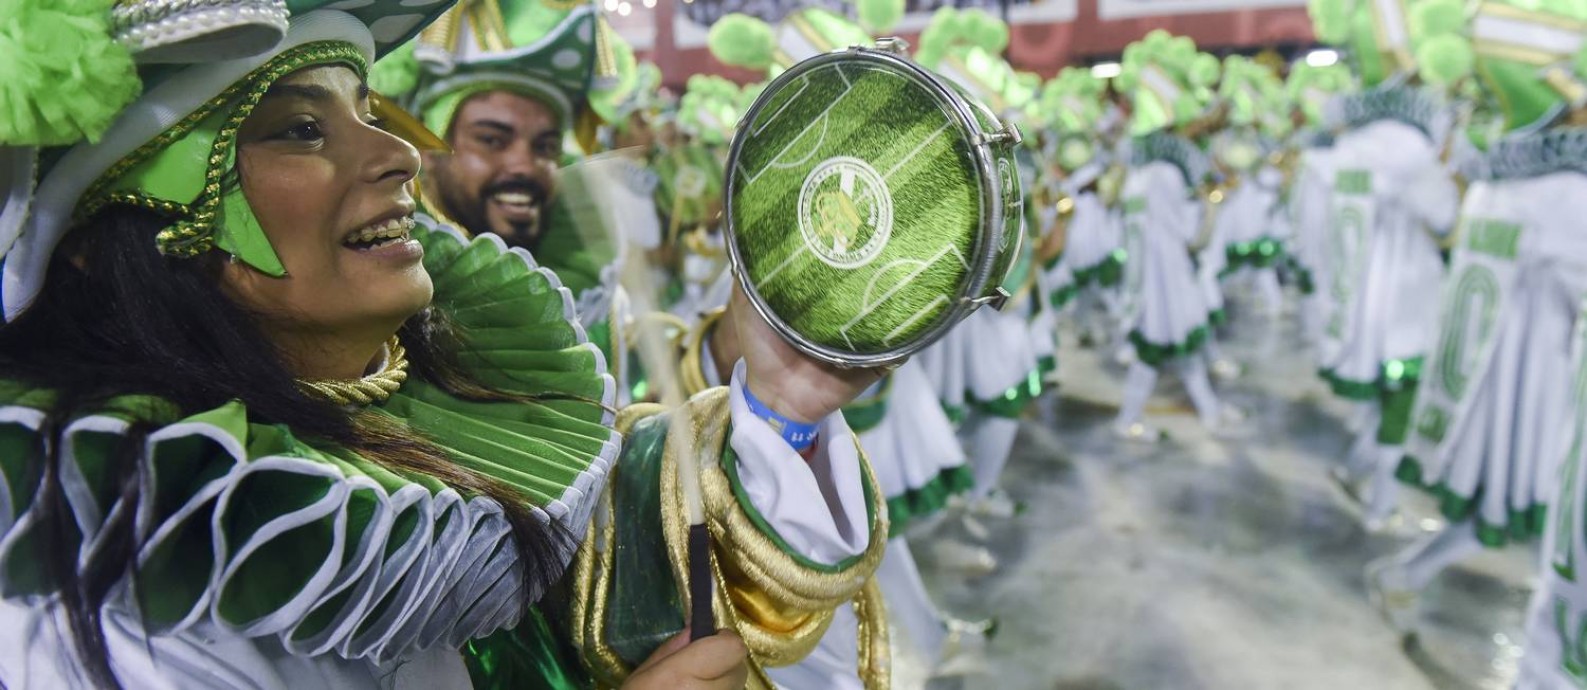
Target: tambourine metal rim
point(986, 247)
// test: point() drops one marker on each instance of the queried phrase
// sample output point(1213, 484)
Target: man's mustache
point(532, 188)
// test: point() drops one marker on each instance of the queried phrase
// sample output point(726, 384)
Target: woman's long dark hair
point(115, 317)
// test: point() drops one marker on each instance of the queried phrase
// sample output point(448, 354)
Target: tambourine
point(870, 205)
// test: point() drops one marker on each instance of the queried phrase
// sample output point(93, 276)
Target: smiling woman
point(264, 426)
point(330, 189)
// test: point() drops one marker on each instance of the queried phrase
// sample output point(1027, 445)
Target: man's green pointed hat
point(558, 52)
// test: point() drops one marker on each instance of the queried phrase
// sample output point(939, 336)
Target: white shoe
point(1226, 369)
point(964, 652)
point(1229, 414)
point(996, 504)
point(1125, 355)
point(1392, 595)
point(973, 561)
point(1139, 432)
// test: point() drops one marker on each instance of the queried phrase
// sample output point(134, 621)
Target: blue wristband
point(798, 434)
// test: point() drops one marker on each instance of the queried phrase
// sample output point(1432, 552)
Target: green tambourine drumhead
point(867, 210)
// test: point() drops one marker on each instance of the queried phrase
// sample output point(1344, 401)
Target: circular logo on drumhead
point(845, 212)
point(690, 182)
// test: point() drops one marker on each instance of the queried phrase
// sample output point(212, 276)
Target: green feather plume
point(1203, 71)
point(879, 16)
point(985, 30)
point(1444, 60)
point(1331, 19)
point(63, 78)
point(742, 41)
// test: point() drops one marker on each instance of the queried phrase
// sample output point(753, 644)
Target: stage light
point(624, 8)
point(650, 3)
point(1322, 57)
point(1106, 70)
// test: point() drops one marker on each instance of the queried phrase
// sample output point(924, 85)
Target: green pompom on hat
point(1310, 87)
point(743, 41)
point(64, 78)
point(1070, 102)
point(1169, 79)
point(953, 31)
point(1444, 55)
point(965, 46)
point(879, 16)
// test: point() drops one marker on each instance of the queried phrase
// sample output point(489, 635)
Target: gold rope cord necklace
point(376, 387)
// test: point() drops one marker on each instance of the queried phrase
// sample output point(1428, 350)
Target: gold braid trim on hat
point(376, 387)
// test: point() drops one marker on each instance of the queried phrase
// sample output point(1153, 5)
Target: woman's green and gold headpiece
point(138, 102)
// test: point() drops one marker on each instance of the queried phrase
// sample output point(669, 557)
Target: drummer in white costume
point(1394, 200)
point(1312, 89)
point(1162, 218)
point(1245, 225)
point(1494, 410)
point(1091, 259)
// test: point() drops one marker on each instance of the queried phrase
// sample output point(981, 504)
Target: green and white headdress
point(1171, 81)
point(1532, 56)
point(1070, 106)
point(709, 108)
point(744, 41)
point(966, 46)
point(1311, 87)
point(1249, 88)
point(140, 103)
